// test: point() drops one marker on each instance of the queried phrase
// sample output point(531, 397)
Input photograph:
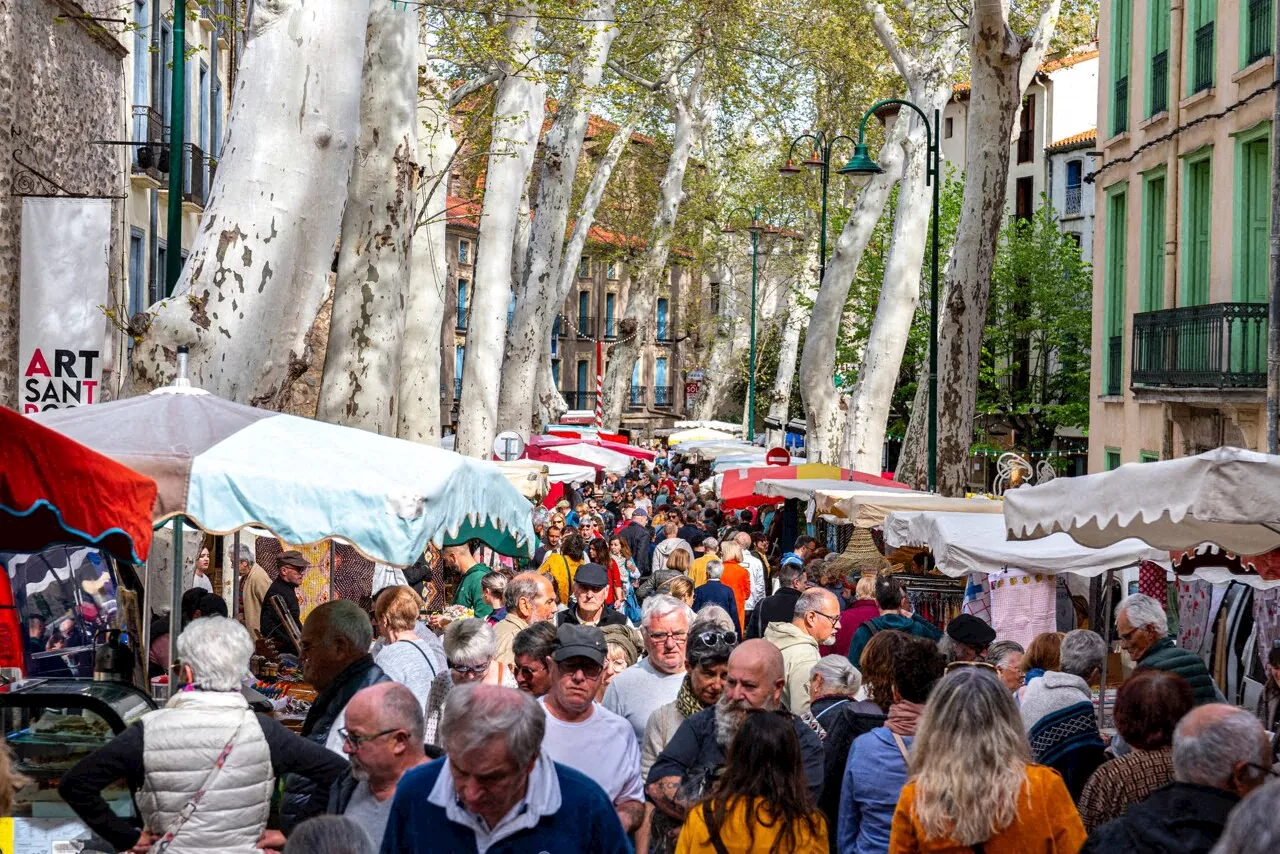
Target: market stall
point(866, 508)
point(738, 486)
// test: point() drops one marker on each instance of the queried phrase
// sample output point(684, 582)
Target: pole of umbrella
point(235, 573)
point(175, 605)
point(1106, 641)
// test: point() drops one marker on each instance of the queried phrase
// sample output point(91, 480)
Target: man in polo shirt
point(462, 559)
point(590, 587)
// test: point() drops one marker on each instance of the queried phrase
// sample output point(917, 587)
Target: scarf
point(686, 703)
point(903, 717)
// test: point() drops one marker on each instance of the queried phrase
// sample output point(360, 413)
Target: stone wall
point(61, 86)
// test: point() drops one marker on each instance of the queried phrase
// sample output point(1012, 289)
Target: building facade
point(1070, 188)
point(1182, 235)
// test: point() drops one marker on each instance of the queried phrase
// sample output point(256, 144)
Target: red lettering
point(88, 388)
point(29, 408)
point(38, 365)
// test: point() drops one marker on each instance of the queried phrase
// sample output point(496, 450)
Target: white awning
point(865, 507)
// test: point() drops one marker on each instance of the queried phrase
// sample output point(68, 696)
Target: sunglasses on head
point(715, 638)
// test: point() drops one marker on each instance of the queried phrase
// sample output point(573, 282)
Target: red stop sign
point(778, 457)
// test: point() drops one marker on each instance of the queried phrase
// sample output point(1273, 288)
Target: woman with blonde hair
point(973, 786)
point(403, 654)
point(736, 577)
point(680, 587)
point(863, 608)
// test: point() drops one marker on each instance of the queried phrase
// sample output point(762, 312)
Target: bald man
point(1220, 754)
point(755, 681)
point(813, 625)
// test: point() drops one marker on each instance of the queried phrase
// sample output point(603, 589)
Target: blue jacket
point(586, 821)
point(914, 626)
point(716, 592)
point(873, 779)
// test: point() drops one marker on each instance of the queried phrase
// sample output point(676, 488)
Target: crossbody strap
point(187, 811)
point(425, 657)
point(902, 747)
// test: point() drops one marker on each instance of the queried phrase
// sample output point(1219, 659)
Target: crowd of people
point(663, 677)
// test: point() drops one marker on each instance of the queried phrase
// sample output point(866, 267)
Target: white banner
point(66, 245)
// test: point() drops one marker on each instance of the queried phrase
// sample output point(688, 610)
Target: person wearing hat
point(292, 566)
point(967, 639)
point(583, 735)
point(895, 614)
point(590, 589)
point(636, 535)
point(254, 583)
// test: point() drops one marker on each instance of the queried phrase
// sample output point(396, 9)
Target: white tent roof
point(965, 542)
point(528, 477)
point(865, 507)
point(1227, 496)
point(805, 489)
point(723, 426)
point(552, 472)
point(702, 434)
point(612, 461)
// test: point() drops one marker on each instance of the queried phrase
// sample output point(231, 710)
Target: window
point(464, 250)
point(1024, 198)
point(583, 382)
point(555, 371)
point(166, 70)
point(1114, 285)
point(1253, 218)
point(664, 331)
point(205, 108)
point(610, 307)
point(1158, 51)
point(137, 273)
point(462, 304)
point(1027, 130)
point(1151, 297)
point(584, 267)
point(459, 359)
point(1075, 173)
point(159, 283)
point(661, 390)
point(715, 298)
point(947, 128)
point(141, 71)
point(215, 118)
point(636, 397)
point(1148, 457)
point(584, 312)
point(1256, 31)
point(1121, 36)
point(1201, 21)
point(1198, 226)
point(1112, 459)
point(511, 309)
point(611, 272)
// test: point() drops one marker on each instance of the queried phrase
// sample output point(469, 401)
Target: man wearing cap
point(967, 639)
point(590, 588)
point(584, 735)
point(636, 536)
point(254, 583)
point(292, 566)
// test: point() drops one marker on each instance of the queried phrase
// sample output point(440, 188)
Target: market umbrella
point(702, 434)
point(1227, 496)
point(867, 508)
point(55, 491)
point(738, 489)
point(225, 466)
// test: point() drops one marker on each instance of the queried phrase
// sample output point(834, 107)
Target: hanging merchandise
point(1022, 605)
point(1266, 617)
point(977, 597)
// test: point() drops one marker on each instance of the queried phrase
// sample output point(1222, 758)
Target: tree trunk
point(517, 121)
point(260, 260)
point(718, 373)
point(551, 405)
point(1002, 63)
point(538, 287)
point(641, 302)
point(361, 378)
point(419, 414)
point(824, 415)
point(793, 321)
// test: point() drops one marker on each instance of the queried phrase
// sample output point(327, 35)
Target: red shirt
point(615, 581)
point(737, 579)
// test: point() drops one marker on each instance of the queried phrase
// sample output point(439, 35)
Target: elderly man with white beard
point(690, 763)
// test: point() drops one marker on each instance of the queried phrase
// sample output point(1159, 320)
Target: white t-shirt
point(201, 581)
point(603, 747)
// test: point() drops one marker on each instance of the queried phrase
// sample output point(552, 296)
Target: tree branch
point(459, 94)
point(1039, 38)
point(884, 29)
point(617, 68)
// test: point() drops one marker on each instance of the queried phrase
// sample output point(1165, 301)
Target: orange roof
point(1088, 137)
point(1047, 67)
point(597, 125)
point(462, 213)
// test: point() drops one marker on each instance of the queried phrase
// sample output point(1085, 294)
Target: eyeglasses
point(1127, 636)
point(835, 621)
point(589, 669)
point(1269, 772)
point(985, 664)
point(466, 669)
point(715, 638)
point(355, 741)
point(527, 672)
point(661, 637)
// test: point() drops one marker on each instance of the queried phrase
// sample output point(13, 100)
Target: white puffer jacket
point(181, 743)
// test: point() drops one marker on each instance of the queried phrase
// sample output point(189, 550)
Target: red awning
point(737, 489)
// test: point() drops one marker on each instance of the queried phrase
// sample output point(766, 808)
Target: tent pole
point(234, 574)
point(175, 605)
point(1106, 640)
point(144, 631)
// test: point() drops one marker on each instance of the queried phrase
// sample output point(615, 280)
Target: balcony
point(457, 389)
point(1115, 357)
point(1259, 30)
point(635, 396)
point(560, 329)
point(224, 19)
point(1218, 346)
point(580, 399)
point(148, 127)
point(664, 396)
point(610, 328)
point(1071, 204)
point(461, 324)
point(198, 176)
point(1202, 62)
point(1160, 82)
point(584, 326)
point(663, 333)
point(1120, 121)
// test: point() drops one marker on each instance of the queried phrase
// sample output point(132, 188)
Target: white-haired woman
point(205, 740)
point(973, 785)
point(471, 647)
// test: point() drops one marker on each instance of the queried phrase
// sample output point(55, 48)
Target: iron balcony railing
point(635, 396)
point(1115, 356)
point(197, 175)
point(580, 399)
point(1259, 29)
point(1203, 62)
point(457, 389)
point(1120, 122)
point(148, 127)
point(663, 396)
point(1160, 82)
point(1071, 204)
point(610, 328)
point(461, 323)
point(560, 328)
point(1223, 345)
point(584, 325)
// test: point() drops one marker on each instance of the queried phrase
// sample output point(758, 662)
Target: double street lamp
point(861, 168)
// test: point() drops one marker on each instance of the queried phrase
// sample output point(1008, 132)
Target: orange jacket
point(1047, 822)
point(738, 580)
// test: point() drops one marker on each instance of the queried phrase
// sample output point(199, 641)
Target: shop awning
point(866, 508)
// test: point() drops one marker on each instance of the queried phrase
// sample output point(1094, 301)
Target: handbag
point(165, 841)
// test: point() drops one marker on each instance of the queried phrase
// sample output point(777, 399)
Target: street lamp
point(820, 159)
point(756, 227)
point(863, 167)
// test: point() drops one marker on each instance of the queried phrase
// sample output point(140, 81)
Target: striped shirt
point(1121, 782)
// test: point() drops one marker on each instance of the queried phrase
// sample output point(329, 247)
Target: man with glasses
point(655, 680)
point(1143, 628)
point(582, 734)
point(814, 624)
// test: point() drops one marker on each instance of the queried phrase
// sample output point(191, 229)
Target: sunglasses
point(715, 638)
point(465, 669)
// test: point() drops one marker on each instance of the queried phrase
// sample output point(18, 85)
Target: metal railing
point(1221, 345)
point(1071, 205)
point(584, 326)
point(1160, 82)
point(1115, 357)
point(663, 396)
point(580, 399)
point(461, 323)
point(1120, 121)
point(610, 328)
point(148, 127)
point(1026, 146)
point(560, 328)
point(635, 396)
point(1203, 60)
point(197, 175)
point(1259, 29)
point(457, 389)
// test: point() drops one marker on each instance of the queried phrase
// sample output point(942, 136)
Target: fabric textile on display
point(1022, 605)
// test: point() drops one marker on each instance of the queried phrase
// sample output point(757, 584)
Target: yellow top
point(561, 571)
point(746, 835)
point(698, 569)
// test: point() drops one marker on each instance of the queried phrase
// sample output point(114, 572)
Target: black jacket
point(778, 608)
point(1180, 818)
point(610, 617)
point(271, 626)
point(639, 544)
point(302, 799)
point(843, 724)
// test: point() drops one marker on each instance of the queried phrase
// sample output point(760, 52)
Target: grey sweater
point(1050, 693)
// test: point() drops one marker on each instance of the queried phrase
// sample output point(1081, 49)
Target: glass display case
point(50, 725)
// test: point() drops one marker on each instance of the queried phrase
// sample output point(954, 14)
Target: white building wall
point(1079, 223)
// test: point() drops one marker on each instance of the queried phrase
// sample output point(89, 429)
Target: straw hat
point(861, 555)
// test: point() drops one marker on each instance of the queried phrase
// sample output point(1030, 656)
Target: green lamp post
point(755, 228)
